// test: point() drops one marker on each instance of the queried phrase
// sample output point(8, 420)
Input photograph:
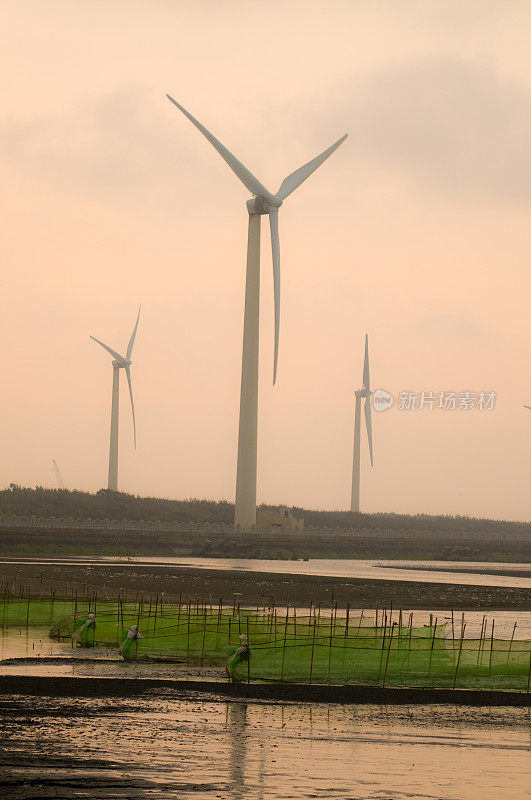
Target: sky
point(416, 232)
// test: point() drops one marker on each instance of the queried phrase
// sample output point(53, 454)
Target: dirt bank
point(298, 590)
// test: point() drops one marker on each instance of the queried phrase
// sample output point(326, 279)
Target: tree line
point(104, 504)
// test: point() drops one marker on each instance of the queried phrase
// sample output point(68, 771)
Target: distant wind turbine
point(361, 394)
point(120, 362)
point(262, 202)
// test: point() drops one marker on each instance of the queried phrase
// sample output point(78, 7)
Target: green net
point(286, 647)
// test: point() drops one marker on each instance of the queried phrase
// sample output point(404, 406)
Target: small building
point(281, 518)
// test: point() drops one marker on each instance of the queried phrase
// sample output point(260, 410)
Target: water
point(328, 567)
point(162, 747)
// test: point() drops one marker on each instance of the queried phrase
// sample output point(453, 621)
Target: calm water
point(329, 567)
point(167, 748)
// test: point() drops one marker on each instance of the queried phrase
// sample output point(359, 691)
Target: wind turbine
point(262, 202)
point(361, 394)
point(120, 362)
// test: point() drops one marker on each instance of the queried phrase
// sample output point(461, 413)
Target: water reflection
point(164, 747)
point(236, 722)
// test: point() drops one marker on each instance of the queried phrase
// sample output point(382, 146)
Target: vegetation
point(118, 505)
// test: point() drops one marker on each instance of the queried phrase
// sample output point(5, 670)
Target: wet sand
point(255, 587)
point(157, 745)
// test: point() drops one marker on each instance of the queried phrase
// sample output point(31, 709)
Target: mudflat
point(254, 587)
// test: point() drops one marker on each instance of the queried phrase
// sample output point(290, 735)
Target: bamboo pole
point(248, 653)
point(188, 632)
point(459, 654)
point(392, 627)
point(359, 623)
point(491, 645)
point(204, 635)
point(483, 624)
point(432, 646)
point(284, 645)
point(382, 647)
point(511, 643)
point(330, 644)
point(313, 648)
point(220, 611)
point(155, 616)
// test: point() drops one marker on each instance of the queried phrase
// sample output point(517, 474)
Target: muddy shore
point(255, 588)
point(38, 686)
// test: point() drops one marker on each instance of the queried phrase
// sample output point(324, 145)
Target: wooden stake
point(248, 654)
point(459, 655)
point(313, 648)
point(284, 645)
point(330, 645)
point(491, 645)
point(511, 643)
point(388, 653)
point(432, 646)
point(204, 634)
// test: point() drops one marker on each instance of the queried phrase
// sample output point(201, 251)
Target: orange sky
point(416, 231)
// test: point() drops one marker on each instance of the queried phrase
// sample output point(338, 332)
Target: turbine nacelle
point(363, 393)
point(262, 205)
point(122, 363)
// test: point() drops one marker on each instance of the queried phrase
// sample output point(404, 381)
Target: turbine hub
point(124, 363)
point(260, 206)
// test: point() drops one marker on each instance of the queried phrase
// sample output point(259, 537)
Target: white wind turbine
point(120, 362)
point(360, 394)
point(262, 202)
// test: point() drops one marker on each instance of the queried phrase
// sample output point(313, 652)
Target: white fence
point(143, 526)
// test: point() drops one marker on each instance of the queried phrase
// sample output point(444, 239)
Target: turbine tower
point(361, 394)
point(262, 202)
point(120, 362)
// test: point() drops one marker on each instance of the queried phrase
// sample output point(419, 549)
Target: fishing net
point(286, 647)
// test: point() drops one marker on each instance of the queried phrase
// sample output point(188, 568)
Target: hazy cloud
point(113, 143)
point(456, 123)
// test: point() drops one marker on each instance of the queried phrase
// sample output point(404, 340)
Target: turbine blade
point(133, 336)
point(113, 353)
point(529, 407)
point(246, 177)
point(368, 424)
point(275, 246)
point(294, 180)
point(366, 371)
point(128, 373)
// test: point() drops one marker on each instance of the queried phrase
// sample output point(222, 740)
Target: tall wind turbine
point(120, 362)
point(262, 202)
point(361, 394)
